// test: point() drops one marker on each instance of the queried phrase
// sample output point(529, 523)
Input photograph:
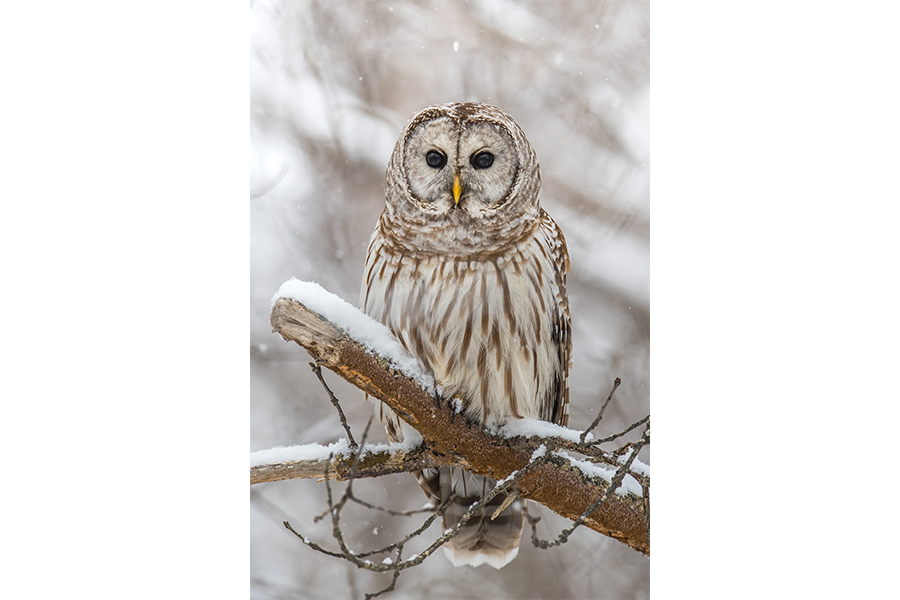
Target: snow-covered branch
point(364, 352)
point(311, 461)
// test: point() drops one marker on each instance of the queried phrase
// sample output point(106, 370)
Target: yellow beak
point(457, 190)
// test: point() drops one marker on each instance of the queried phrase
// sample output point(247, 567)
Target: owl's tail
point(481, 540)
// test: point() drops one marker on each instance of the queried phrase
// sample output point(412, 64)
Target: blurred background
point(332, 84)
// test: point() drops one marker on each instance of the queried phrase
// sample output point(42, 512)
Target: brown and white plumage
point(469, 273)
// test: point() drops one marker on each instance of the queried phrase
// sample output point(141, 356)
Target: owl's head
point(464, 170)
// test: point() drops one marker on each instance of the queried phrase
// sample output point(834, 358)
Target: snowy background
point(332, 85)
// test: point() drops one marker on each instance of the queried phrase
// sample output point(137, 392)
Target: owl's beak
point(457, 190)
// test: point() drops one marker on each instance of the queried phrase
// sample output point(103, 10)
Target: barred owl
point(469, 273)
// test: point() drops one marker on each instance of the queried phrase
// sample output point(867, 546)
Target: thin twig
point(318, 371)
point(311, 543)
point(356, 456)
point(392, 512)
point(394, 578)
point(439, 512)
point(621, 433)
point(596, 422)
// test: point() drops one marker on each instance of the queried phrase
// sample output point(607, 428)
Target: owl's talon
point(453, 410)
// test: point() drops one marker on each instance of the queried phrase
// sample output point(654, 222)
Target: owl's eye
point(435, 159)
point(482, 160)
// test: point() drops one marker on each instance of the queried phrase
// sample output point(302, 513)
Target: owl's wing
point(556, 406)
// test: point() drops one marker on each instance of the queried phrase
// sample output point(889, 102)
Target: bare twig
point(510, 498)
point(318, 371)
point(348, 491)
point(596, 422)
point(394, 577)
point(392, 512)
point(356, 455)
point(621, 433)
point(425, 525)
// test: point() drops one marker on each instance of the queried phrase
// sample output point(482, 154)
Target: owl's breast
point(483, 327)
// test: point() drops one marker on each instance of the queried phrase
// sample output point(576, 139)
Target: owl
point(469, 273)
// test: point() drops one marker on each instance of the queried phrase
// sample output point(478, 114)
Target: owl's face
point(462, 179)
point(471, 167)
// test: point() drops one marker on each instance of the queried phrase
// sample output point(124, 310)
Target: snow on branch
point(371, 334)
point(314, 461)
point(365, 353)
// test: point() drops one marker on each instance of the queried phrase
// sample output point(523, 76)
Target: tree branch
point(557, 482)
point(373, 464)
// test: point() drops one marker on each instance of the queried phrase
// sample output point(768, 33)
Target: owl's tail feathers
point(482, 540)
